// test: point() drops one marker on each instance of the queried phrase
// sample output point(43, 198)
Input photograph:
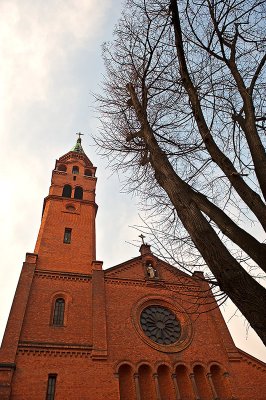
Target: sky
point(50, 65)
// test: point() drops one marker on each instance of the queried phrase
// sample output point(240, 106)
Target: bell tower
point(52, 308)
point(66, 240)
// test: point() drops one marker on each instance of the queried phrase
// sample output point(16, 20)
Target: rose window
point(160, 324)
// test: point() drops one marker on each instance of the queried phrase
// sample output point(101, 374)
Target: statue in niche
point(151, 271)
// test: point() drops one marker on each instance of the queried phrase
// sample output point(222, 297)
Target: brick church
point(141, 330)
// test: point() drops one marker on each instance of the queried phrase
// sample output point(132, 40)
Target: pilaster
point(99, 331)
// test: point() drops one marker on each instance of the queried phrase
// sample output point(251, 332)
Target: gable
point(132, 269)
point(172, 274)
point(136, 269)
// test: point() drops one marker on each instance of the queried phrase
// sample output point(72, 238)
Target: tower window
point(78, 193)
point(88, 172)
point(50, 394)
point(67, 235)
point(67, 191)
point(59, 310)
point(75, 170)
point(61, 167)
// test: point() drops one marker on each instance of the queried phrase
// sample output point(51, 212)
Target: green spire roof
point(78, 148)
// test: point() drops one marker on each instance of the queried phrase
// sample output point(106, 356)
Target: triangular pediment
point(131, 269)
point(169, 273)
point(136, 269)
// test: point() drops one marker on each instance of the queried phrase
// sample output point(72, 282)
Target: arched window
point(67, 191)
point(78, 193)
point(61, 167)
point(75, 170)
point(59, 310)
point(88, 172)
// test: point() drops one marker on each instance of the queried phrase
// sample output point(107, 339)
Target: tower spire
point(78, 148)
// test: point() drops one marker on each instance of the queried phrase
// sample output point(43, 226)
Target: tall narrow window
point(67, 235)
point(59, 310)
point(50, 394)
point(67, 191)
point(75, 170)
point(78, 193)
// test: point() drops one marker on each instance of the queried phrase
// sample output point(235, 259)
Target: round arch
point(123, 362)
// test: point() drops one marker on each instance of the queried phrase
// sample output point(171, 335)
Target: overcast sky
point(50, 64)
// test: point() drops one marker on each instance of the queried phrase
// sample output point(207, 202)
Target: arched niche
point(126, 382)
point(202, 384)
point(146, 383)
point(219, 382)
point(165, 381)
point(183, 382)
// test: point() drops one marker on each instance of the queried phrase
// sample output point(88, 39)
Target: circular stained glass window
point(160, 324)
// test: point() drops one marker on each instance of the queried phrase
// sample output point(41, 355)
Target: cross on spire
point(78, 148)
point(79, 134)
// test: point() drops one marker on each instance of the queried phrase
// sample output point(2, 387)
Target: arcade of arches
point(167, 383)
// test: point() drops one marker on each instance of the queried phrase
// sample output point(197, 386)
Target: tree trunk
point(246, 293)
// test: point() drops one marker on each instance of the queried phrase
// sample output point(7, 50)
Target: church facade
point(141, 330)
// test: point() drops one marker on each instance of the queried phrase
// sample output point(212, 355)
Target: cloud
point(36, 39)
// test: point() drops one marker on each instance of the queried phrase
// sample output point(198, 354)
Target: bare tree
point(183, 114)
